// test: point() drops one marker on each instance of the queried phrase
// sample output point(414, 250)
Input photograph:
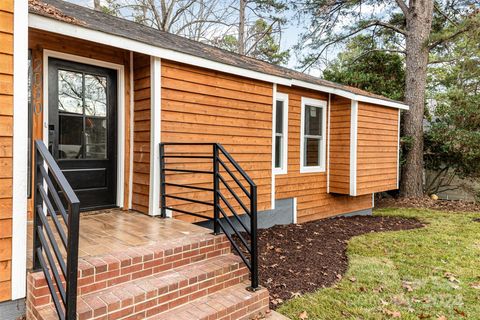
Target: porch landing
point(115, 230)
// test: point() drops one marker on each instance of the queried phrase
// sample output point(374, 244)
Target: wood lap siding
point(377, 161)
point(340, 116)
point(141, 133)
point(200, 105)
point(6, 140)
point(310, 189)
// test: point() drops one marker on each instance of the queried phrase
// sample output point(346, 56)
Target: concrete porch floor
point(115, 230)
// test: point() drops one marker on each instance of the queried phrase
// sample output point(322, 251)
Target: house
point(98, 113)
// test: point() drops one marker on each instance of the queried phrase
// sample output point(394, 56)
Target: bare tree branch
point(403, 6)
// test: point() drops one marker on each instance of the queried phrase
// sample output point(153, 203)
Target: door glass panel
point(70, 137)
point(70, 92)
point(95, 95)
point(96, 138)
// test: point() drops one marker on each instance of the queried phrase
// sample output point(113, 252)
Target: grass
point(428, 273)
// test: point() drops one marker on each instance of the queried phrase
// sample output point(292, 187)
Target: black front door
point(82, 129)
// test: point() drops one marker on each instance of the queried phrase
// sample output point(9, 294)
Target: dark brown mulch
point(296, 259)
point(427, 203)
point(476, 220)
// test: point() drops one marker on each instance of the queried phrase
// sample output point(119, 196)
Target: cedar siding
point(200, 105)
point(340, 117)
point(6, 140)
point(310, 189)
point(141, 133)
point(377, 148)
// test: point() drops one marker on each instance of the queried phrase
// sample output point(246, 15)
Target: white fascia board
point(349, 95)
point(20, 150)
point(75, 31)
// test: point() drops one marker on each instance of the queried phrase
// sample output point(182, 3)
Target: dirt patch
point(476, 220)
point(427, 203)
point(296, 259)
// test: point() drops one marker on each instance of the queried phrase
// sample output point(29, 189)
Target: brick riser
point(155, 294)
point(97, 273)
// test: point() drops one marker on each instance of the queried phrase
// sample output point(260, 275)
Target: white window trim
point(319, 104)
point(284, 98)
point(120, 108)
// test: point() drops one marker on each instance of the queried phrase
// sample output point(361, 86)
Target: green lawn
point(428, 273)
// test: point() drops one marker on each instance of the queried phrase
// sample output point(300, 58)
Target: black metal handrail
point(63, 286)
point(246, 247)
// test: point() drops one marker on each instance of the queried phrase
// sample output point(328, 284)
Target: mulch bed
point(296, 259)
point(427, 203)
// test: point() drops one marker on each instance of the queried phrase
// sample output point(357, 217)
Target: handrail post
point(37, 222)
point(216, 204)
point(72, 259)
point(253, 240)
point(163, 199)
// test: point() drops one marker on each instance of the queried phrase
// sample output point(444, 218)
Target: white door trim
point(120, 109)
point(20, 150)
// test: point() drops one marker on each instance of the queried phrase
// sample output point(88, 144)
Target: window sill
point(312, 169)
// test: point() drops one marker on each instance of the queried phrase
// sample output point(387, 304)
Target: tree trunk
point(97, 5)
point(419, 23)
point(241, 28)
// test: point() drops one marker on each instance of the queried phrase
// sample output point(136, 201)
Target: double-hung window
point(313, 135)
point(280, 129)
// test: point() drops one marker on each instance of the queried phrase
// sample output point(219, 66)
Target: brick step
point(142, 298)
point(101, 272)
point(231, 303)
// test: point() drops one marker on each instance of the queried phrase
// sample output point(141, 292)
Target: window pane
point(70, 92)
point(279, 117)
point(312, 152)
point(70, 137)
point(313, 121)
point(96, 138)
point(95, 95)
point(278, 151)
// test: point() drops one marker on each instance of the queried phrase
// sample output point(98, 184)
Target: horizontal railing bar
point(189, 171)
point(187, 157)
point(51, 287)
point(187, 186)
point(56, 276)
point(187, 143)
point(234, 195)
point(53, 241)
point(233, 211)
point(189, 200)
point(55, 196)
point(53, 214)
point(188, 212)
point(235, 164)
point(234, 244)
point(56, 172)
point(239, 235)
point(234, 178)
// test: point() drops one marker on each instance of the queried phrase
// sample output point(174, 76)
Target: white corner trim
point(120, 69)
point(319, 104)
point(349, 95)
point(132, 103)
point(155, 135)
point(353, 147)
point(295, 213)
point(398, 150)
point(282, 97)
point(59, 27)
point(329, 107)
point(274, 94)
point(20, 150)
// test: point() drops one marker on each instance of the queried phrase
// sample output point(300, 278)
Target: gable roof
point(83, 17)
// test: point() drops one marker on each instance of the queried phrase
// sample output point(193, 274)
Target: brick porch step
point(142, 298)
point(232, 303)
point(101, 272)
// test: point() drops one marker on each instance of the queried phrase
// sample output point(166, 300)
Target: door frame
point(120, 69)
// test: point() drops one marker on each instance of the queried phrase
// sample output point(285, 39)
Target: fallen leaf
point(295, 294)
point(352, 279)
point(339, 276)
point(303, 315)
point(407, 286)
point(475, 285)
point(393, 314)
point(460, 312)
point(442, 318)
